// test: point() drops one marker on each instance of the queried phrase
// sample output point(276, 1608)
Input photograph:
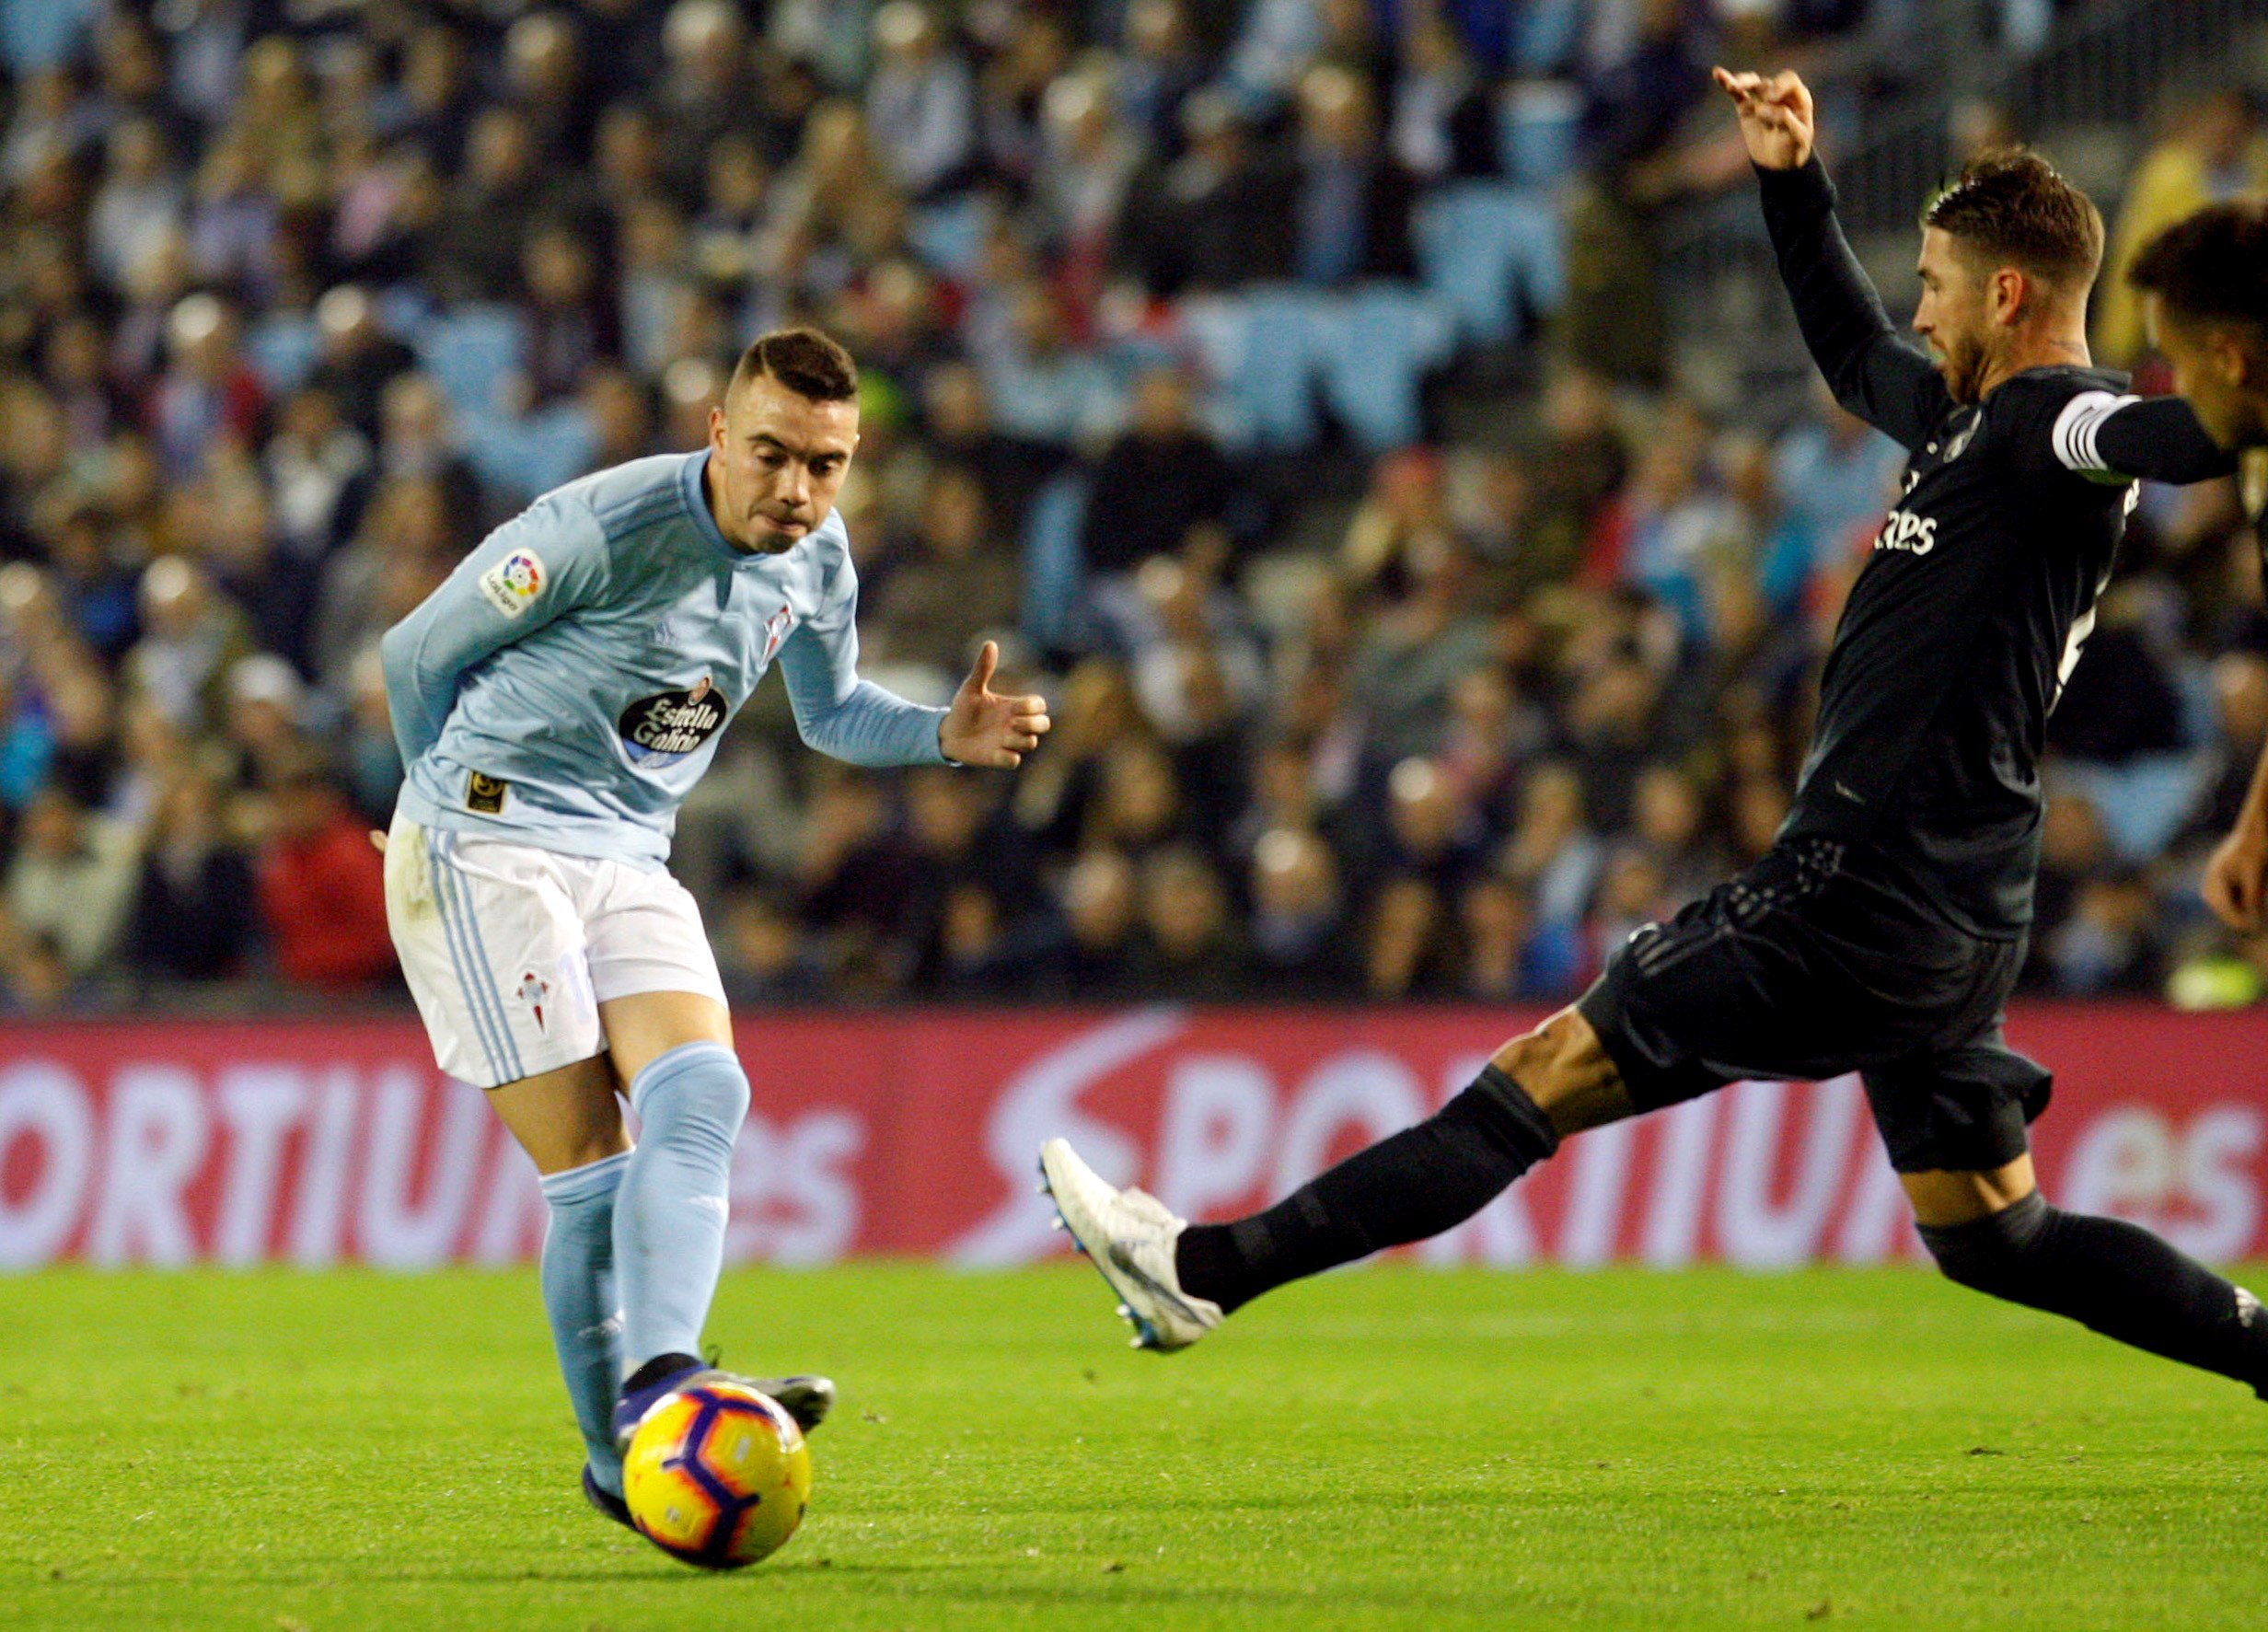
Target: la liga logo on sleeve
point(513, 584)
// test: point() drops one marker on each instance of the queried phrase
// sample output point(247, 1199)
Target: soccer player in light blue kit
point(555, 701)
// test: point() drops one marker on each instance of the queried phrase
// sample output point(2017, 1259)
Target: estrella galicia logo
point(661, 730)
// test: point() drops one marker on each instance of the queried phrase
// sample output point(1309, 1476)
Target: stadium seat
point(531, 454)
point(2142, 803)
point(281, 347)
point(472, 350)
point(1536, 124)
point(1376, 346)
point(1262, 350)
point(948, 235)
point(1055, 569)
point(1487, 249)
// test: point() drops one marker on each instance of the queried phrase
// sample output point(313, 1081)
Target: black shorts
point(1801, 968)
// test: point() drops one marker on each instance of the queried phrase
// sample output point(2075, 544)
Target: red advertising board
point(914, 1132)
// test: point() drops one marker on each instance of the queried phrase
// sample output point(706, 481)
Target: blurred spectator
point(1412, 654)
point(1552, 853)
point(72, 882)
point(320, 886)
point(1196, 952)
point(761, 952)
point(1833, 476)
point(920, 100)
point(1408, 951)
point(2109, 943)
point(1444, 117)
point(1218, 216)
point(2212, 150)
point(1159, 479)
point(356, 359)
point(139, 202)
point(192, 635)
point(960, 585)
point(2241, 731)
point(1430, 832)
point(1298, 914)
point(1101, 911)
point(193, 910)
point(1354, 198)
point(1162, 66)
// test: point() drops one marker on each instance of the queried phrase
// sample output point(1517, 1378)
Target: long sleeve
point(836, 711)
point(1875, 374)
point(2118, 438)
point(546, 561)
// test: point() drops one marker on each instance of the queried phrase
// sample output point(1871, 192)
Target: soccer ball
point(717, 1475)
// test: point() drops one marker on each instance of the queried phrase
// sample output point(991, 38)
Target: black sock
point(2112, 1277)
point(1416, 1184)
point(659, 1367)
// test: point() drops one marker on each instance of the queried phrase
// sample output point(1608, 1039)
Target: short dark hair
point(803, 360)
point(2011, 204)
point(2210, 264)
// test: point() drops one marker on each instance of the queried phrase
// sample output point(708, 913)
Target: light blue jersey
point(566, 687)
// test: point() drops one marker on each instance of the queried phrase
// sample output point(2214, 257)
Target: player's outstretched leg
point(2109, 1276)
point(579, 1298)
point(1176, 1280)
point(669, 1218)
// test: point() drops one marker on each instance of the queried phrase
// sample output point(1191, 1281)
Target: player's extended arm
point(1873, 373)
point(545, 560)
point(842, 716)
point(2101, 434)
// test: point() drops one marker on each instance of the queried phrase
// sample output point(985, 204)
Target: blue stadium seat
point(281, 347)
point(948, 235)
point(470, 350)
point(45, 34)
point(1377, 345)
point(2142, 803)
point(530, 454)
point(1484, 247)
point(1055, 569)
point(1263, 350)
point(1538, 122)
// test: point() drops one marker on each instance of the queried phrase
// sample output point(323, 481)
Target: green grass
point(1389, 1448)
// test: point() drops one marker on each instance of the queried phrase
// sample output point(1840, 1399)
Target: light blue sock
point(669, 1221)
point(578, 1294)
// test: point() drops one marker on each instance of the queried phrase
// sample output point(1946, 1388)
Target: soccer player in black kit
point(1884, 929)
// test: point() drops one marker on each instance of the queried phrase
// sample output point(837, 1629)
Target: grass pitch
point(1387, 1448)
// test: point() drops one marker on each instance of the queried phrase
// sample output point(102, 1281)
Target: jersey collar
point(692, 484)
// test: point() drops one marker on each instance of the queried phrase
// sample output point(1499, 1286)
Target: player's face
point(779, 460)
point(1951, 318)
point(2212, 369)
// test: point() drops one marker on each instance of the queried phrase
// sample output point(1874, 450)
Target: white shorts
point(509, 949)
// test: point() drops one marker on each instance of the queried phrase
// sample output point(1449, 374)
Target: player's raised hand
point(1775, 116)
point(2236, 879)
point(985, 728)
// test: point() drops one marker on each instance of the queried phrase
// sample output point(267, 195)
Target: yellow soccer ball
point(717, 1475)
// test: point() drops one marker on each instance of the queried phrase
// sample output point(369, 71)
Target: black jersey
point(1981, 587)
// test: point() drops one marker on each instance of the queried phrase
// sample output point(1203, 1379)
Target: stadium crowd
point(1284, 384)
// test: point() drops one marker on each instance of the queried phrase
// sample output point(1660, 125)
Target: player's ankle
point(659, 1367)
point(1208, 1265)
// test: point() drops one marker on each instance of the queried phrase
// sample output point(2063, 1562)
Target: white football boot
point(1130, 1235)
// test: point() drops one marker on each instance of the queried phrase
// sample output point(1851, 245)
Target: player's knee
point(696, 1089)
point(1993, 1254)
point(1566, 1071)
